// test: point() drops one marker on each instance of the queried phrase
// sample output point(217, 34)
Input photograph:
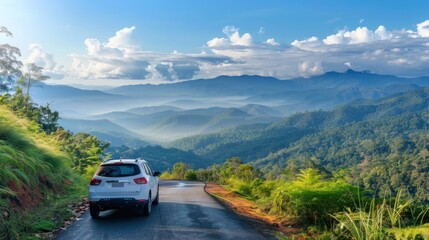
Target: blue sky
point(119, 42)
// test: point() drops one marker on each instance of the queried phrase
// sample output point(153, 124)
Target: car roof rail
point(110, 159)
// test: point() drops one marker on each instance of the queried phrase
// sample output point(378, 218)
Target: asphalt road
point(185, 211)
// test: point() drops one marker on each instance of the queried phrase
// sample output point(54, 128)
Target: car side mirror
point(156, 174)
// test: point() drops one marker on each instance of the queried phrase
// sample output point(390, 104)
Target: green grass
point(33, 171)
point(411, 232)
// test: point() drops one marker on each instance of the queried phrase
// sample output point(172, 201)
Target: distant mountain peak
point(349, 72)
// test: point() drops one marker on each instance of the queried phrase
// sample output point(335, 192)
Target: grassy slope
point(33, 170)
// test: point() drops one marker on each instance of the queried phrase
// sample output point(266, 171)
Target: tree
point(179, 170)
point(85, 150)
point(48, 119)
point(9, 63)
point(32, 75)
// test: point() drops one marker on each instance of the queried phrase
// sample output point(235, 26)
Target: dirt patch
point(250, 211)
point(77, 209)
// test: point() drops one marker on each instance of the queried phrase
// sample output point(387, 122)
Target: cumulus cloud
point(359, 35)
point(310, 44)
point(423, 28)
point(122, 58)
point(41, 58)
point(122, 40)
point(272, 42)
point(307, 68)
point(402, 52)
point(234, 46)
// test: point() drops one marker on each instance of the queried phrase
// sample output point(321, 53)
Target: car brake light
point(141, 180)
point(118, 163)
point(95, 182)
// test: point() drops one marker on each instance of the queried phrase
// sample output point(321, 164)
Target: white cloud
point(348, 64)
point(261, 30)
point(41, 58)
point(122, 40)
point(402, 52)
point(272, 42)
point(235, 46)
point(121, 58)
point(399, 61)
point(423, 29)
point(218, 42)
point(310, 44)
point(359, 35)
point(307, 68)
point(235, 38)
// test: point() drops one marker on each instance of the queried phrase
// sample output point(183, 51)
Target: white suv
point(123, 183)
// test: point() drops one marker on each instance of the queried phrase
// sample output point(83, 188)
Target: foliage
point(9, 63)
point(373, 221)
point(160, 158)
point(37, 156)
point(180, 171)
point(32, 75)
point(313, 196)
point(42, 115)
point(380, 145)
point(191, 175)
point(33, 169)
point(85, 151)
point(310, 198)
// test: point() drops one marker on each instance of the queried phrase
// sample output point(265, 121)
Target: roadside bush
point(191, 175)
point(311, 200)
point(165, 175)
point(263, 189)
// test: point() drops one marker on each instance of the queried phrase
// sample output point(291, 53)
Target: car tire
point(156, 201)
point(94, 211)
point(148, 207)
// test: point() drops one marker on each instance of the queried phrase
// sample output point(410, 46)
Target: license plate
point(118, 184)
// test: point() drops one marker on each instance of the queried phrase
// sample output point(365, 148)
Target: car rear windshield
point(118, 170)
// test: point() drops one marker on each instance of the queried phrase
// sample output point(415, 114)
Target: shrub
point(191, 175)
point(311, 200)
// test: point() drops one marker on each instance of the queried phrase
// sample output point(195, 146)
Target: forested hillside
point(381, 145)
point(40, 163)
point(160, 158)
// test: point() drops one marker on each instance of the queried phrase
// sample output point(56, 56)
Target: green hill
point(382, 143)
point(105, 130)
point(33, 171)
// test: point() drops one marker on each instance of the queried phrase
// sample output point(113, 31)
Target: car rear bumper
point(114, 203)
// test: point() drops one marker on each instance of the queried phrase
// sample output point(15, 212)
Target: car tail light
point(118, 163)
point(95, 182)
point(141, 180)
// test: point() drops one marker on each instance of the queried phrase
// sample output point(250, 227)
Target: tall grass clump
point(376, 219)
point(311, 199)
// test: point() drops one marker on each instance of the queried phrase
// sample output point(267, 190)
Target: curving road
point(185, 211)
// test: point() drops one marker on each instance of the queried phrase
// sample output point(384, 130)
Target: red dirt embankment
point(249, 210)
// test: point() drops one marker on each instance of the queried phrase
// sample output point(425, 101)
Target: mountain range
point(167, 112)
point(380, 144)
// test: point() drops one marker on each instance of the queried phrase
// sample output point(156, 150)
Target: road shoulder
point(267, 225)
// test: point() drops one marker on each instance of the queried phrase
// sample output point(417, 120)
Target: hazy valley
point(167, 112)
